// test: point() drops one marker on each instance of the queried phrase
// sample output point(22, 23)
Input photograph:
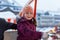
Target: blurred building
point(57, 19)
point(13, 7)
point(9, 9)
point(46, 19)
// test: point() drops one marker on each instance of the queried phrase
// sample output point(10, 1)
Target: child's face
point(28, 15)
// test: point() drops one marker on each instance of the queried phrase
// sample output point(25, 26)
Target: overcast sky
point(51, 5)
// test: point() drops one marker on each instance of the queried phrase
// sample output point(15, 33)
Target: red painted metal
point(35, 6)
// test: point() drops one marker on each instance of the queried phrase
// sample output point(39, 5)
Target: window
point(47, 17)
point(47, 21)
point(38, 14)
point(0, 6)
point(57, 22)
point(14, 8)
point(47, 13)
point(38, 18)
point(57, 18)
point(0, 1)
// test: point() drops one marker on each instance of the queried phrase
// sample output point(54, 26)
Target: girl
point(27, 26)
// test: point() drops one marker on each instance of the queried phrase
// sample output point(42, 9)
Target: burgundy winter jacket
point(27, 30)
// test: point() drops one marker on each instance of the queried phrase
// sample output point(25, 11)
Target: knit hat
point(26, 9)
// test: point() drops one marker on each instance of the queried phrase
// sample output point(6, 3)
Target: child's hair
point(34, 21)
point(26, 9)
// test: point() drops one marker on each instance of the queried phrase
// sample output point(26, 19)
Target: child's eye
point(28, 13)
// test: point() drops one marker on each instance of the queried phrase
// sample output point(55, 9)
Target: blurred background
point(46, 10)
point(47, 13)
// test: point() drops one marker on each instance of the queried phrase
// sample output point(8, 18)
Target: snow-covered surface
point(45, 29)
point(10, 30)
point(7, 14)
